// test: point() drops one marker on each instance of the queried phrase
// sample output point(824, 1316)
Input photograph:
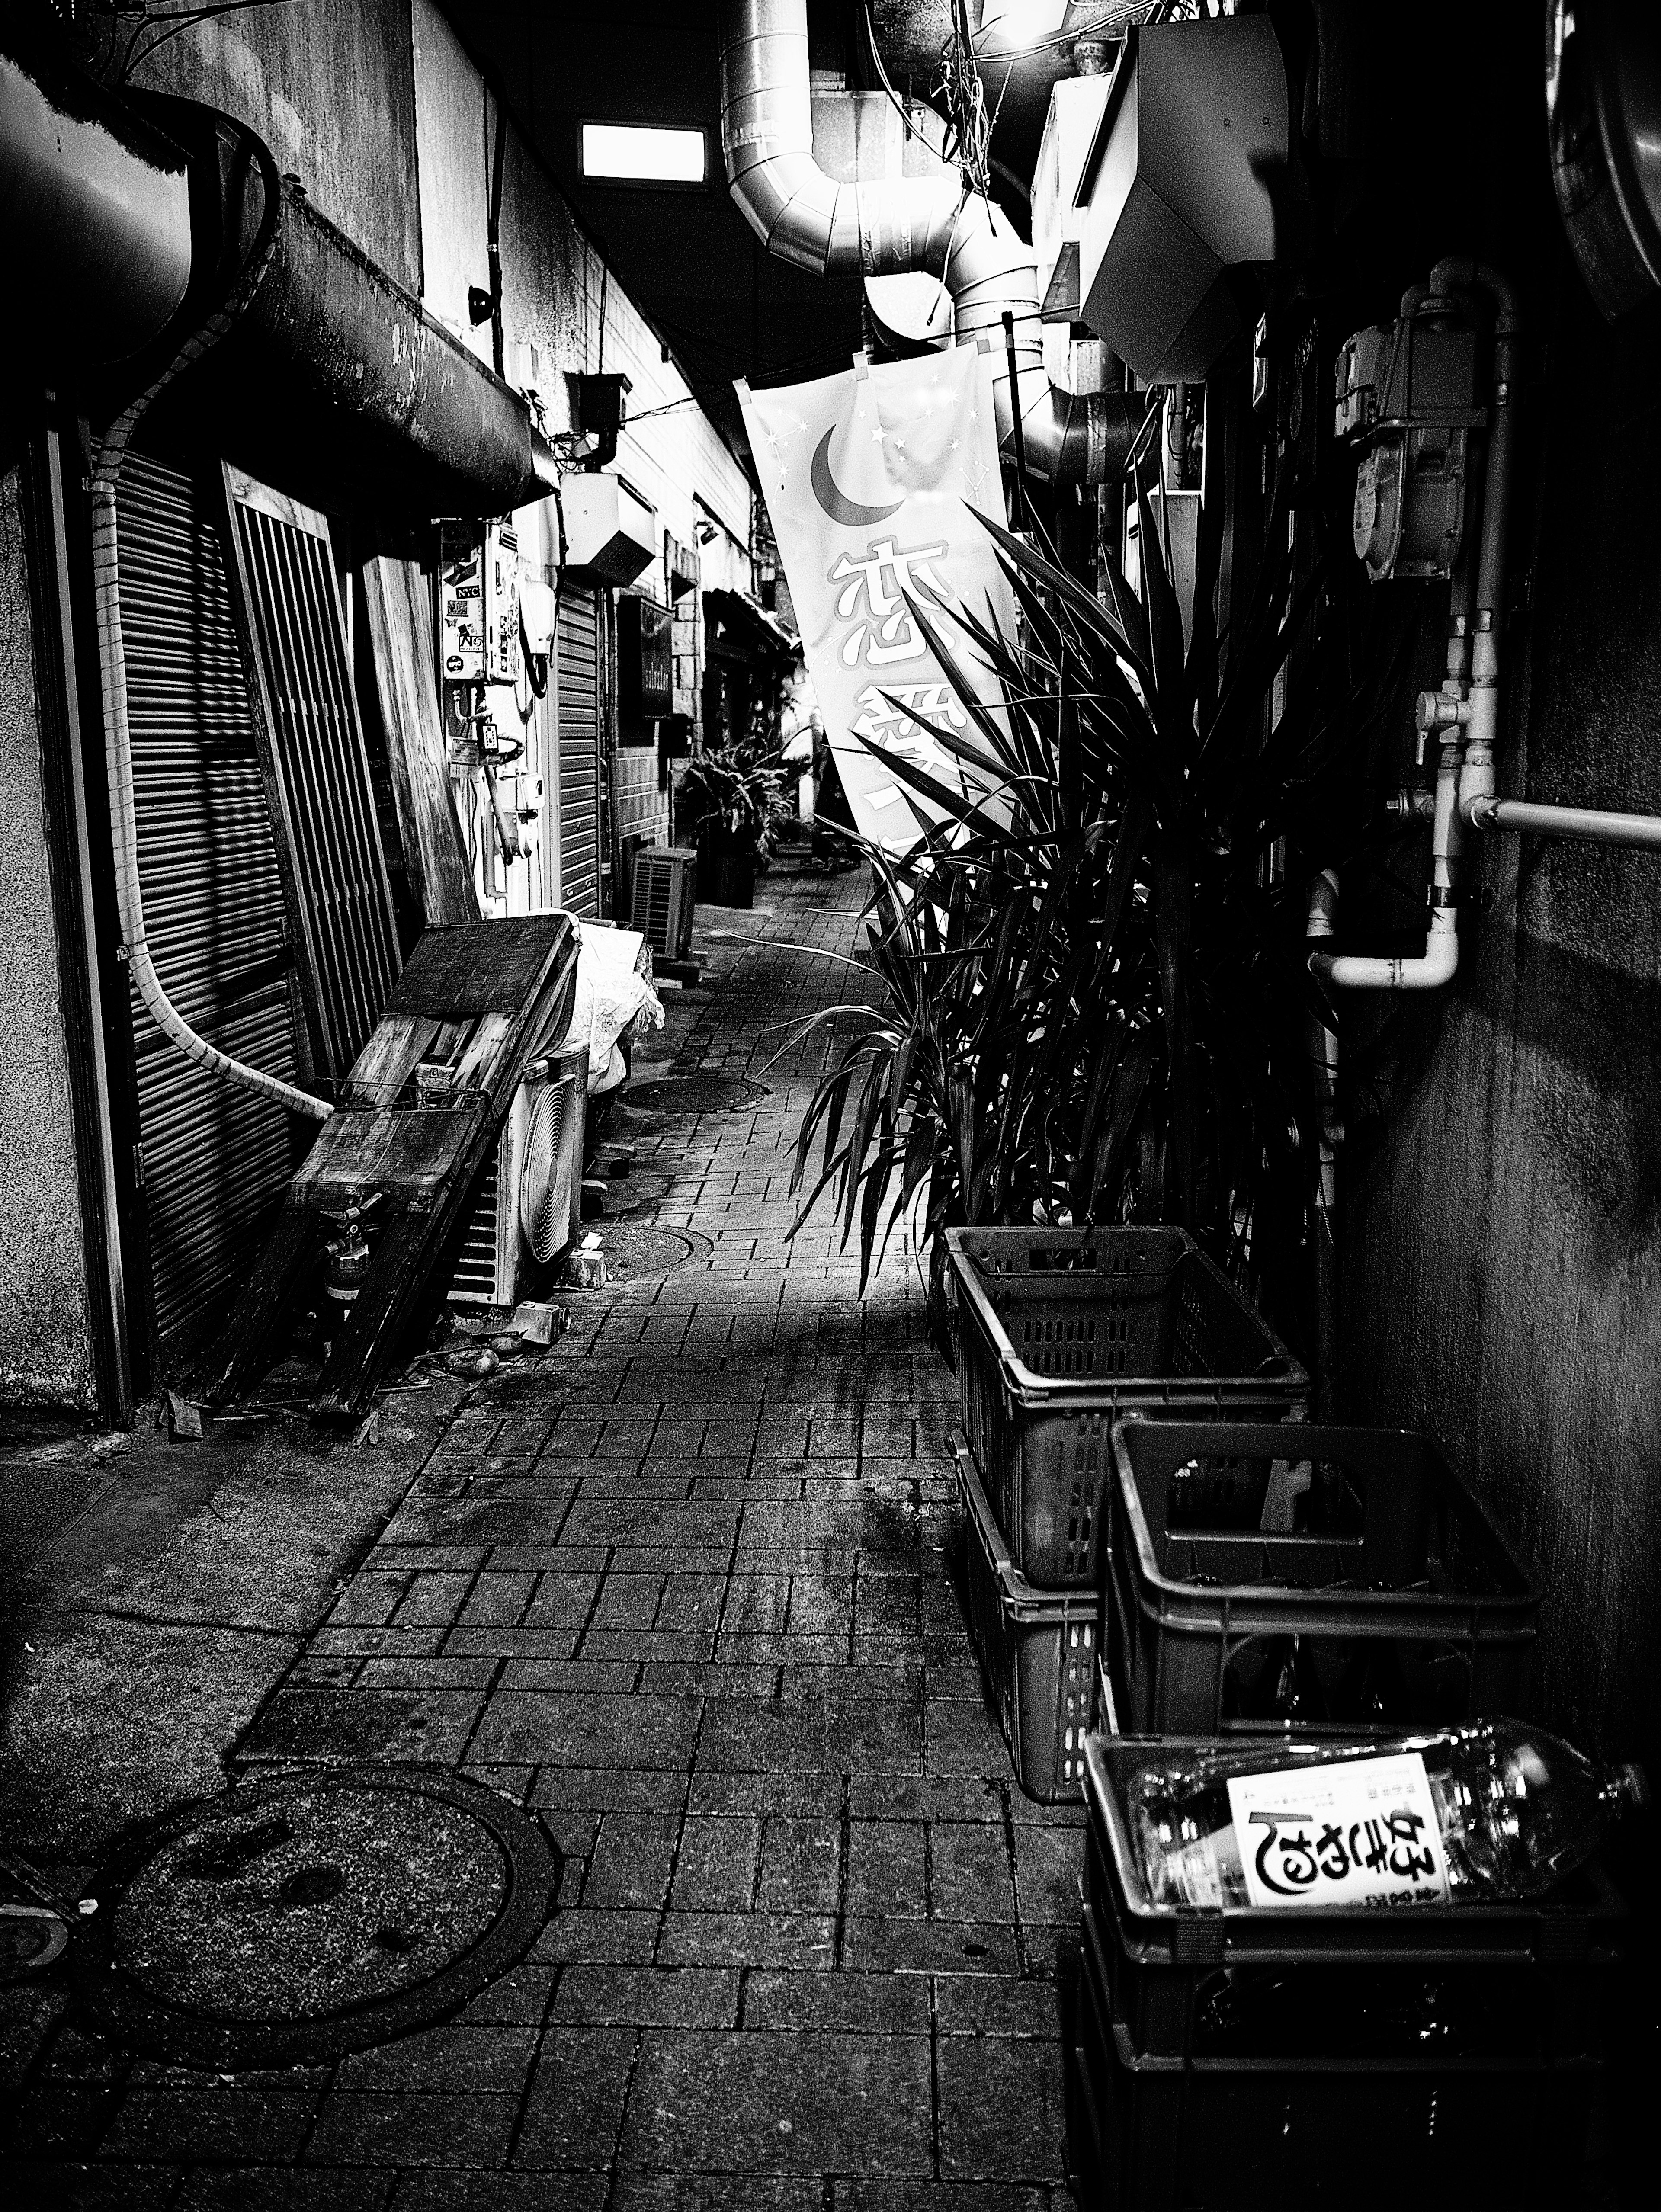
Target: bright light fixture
point(1008, 25)
point(643, 154)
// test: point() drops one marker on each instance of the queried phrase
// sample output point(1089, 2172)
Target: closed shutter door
point(216, 1158)
point(578, 751)
point(297, 652)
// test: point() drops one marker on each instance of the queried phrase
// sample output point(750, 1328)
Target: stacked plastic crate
point(1158, 1559)
point(1336, 1585)
point(1059, 1332)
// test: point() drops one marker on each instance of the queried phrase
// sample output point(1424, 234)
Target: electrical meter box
point(501, 652)
point(461, 602)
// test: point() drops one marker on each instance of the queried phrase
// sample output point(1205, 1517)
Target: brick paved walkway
point(683, 1587)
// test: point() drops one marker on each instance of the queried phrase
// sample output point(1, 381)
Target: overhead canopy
point(746, 630)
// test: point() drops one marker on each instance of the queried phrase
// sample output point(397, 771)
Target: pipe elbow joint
point(1324, 906)
point(1459, 272)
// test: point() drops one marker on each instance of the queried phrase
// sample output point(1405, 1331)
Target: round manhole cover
point(696, 1094)
point(305, 1915)
point(633, 1250)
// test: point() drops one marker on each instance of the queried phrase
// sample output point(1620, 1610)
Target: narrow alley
point(683, 1585)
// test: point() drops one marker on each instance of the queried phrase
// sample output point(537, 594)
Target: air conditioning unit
point(662, 893)
point(529, 1207)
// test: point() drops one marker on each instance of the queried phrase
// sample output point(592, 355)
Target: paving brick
point(911, 1945)
point(428, 1725)
point(715, 1867)
point(886, 1867)
point(258, 2126)
point(568, 1729)
point(51, 2186)
point(398, 2128)
point(861, 2004)
point(498, 2192)
point(800, 1865)
point(605, 1788)
point(782, 2104)
point(600, 1938)
point(990, 2004)
point(431, 1601)
point(747, 1939)
point(647, 1996)
point(632, 1855)
point(1001, 2114)
point(451, 2057)
point(575, 2109)
point(636, 2191)
point(498, 1601)
point(969, 1866)
point(1048, 1868)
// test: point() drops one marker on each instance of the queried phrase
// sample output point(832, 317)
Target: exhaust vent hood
point(1175, 192)
point(1069, 132)
point(610, 535)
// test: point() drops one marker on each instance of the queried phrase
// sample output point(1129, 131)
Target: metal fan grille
point(543, 1221)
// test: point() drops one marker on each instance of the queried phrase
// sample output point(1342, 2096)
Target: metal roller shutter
point(579, 751)
point(216, 1159)
point(323, 800)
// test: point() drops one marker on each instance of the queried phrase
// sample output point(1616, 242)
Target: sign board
point(869, 478)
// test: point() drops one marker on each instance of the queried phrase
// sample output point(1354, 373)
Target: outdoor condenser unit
point(529, 1207)
point(661, 892)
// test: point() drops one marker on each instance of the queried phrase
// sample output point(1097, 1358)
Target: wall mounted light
point(643, 154)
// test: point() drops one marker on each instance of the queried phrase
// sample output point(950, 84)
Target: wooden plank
point(247, 491)
point(243, 1351)
point(480, 1064)
point(387, 1062)
point(424, 1162)
point(401, 621)
point(482, 966)
point(397, 1151)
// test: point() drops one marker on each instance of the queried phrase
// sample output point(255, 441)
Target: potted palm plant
point(1088, 981)
point(734, 802)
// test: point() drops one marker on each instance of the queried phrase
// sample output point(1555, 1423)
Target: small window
point(643, 154)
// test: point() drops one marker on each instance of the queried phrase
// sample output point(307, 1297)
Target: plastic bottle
point(1491, 1811)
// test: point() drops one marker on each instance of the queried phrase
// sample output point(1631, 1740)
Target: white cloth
point(612, 999)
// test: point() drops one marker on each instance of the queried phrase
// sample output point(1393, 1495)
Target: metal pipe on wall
point(897, 226)
point(94, 208)
point(106, 582)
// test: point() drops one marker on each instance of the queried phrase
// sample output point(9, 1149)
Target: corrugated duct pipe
point(894, 226)
point(118, 745)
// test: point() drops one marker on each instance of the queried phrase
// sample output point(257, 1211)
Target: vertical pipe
point(1018, 428)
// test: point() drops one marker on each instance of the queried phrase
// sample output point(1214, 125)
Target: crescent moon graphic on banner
point(836, 502)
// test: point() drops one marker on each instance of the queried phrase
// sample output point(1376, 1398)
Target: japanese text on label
point(1364, 1831)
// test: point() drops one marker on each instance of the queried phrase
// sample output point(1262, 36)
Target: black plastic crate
point(1240, 2058)
point(1038, 1652)
point(1381, 1598)
point(1058, 1331)
point(1238, 2134)
point(1524, 1983)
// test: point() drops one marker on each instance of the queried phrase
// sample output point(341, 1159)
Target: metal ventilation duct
point(894, 227)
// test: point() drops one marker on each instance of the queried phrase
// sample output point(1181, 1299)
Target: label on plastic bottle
point(1364, 1831)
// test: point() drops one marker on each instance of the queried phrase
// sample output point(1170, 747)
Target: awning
point(739, 629)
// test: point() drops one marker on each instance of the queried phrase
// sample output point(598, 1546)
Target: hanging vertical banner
point(869, 478)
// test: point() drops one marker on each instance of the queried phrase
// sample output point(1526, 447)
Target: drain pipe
point(1322, 1044)
point(1465, 710)
point(897, 226)
point(106, 576)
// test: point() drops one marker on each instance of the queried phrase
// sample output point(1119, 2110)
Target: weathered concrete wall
point(1504, 1279)
point(329, 86)
point(558, 297)
point(455, 136)
point(45, 1353)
